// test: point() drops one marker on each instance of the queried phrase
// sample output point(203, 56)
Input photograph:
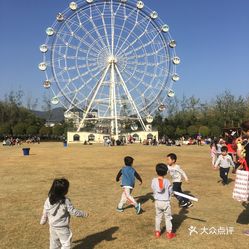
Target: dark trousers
point(224, 175)
point(177, 186)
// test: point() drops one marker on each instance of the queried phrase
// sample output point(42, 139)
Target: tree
point(168, 130)
point(47, 106)
point(31, 103)
point(5, 129)
point(19, 129)
point(215, 131)
point(204, 131)
point(192, 130)
point(180, 132)
point(14, 97)
point(229, 110)
point(45, 131)
point(32, 130)
point(58, 130)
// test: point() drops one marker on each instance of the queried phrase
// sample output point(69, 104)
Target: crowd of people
point(233, 143)
point(12, 141)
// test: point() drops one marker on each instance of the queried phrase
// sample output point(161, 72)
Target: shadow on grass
point(243, 217)
point(142, 200)
point(179, 218)
point(93, 240)
point(228, 181)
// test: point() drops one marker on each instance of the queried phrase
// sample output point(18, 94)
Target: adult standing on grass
point(245, 151)
point(245, 130)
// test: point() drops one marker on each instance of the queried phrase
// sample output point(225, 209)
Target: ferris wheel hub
point(112, 59)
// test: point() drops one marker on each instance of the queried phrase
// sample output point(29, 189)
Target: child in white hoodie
point(162, 191)
point(57, 210)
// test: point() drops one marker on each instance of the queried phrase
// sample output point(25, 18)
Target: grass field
point(91, 171)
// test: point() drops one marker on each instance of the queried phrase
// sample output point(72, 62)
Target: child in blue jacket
point(128, 174)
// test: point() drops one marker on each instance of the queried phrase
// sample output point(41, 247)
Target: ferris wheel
point(113, 58)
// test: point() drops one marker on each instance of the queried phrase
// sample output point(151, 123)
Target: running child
point(57, 211)
point(177, 173)
point(224, 162)
point(128, 174)
point(162, 191)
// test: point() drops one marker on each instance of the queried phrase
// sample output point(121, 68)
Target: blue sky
point(212, 40)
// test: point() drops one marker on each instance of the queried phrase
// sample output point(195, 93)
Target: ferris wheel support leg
point(130, 99)
point(93, 98)
point(114, 115)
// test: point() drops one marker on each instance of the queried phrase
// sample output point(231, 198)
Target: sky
point(212, 41)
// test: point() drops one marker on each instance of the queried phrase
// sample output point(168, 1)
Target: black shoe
point(190, 204)
point(183, 204)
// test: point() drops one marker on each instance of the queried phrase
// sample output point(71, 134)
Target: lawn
point(91, 171)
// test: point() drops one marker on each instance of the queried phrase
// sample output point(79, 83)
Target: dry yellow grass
point(91, 170)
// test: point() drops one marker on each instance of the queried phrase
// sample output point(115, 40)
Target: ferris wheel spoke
point(66, 43)
point(96, 29)
point(104, 26)
point(80, 39)
point(82, 75)
point(85, 42)
point(83, 86)
point(143, 46)
point(91, 89)
point(112, 28)
point(138, 38)
point(94, 94)
point(129, 34)
point(86, 31)
point(123, 25)
point(127, 18)
point(139, 80)
point(142, 64)
point(130, 98)
point(86, 66)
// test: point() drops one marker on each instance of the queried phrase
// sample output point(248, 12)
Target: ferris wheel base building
point(82, 137)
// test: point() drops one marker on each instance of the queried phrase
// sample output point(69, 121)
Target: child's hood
point(52, 209)
point(159, 185)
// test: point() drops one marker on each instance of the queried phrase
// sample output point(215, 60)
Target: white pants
point(163, 208)
point(60, 238)
point(126, 197)
point(214, 158)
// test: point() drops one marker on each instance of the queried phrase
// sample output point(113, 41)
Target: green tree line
point(17, 120)
point(187, 116)
point(190, 116)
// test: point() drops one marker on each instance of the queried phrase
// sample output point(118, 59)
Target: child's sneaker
point(190, 204)
point(246, 232)
point(183, 204)
point(120, 210)
point(157, 234)
point(170, 235)
point(138, 208)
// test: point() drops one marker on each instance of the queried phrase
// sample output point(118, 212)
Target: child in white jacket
point(57, 211)
point(224, 162)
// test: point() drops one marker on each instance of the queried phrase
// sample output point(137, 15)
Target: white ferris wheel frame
point(110, 71)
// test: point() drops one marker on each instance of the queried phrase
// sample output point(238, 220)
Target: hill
point(56, 114)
